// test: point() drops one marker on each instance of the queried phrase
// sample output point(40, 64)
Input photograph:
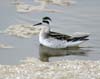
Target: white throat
point(44, 30)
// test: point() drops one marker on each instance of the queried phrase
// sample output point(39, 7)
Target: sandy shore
point(32, 68)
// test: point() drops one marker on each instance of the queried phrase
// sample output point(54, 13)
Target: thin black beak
point(37, 24)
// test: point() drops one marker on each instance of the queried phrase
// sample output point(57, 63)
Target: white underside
point(54, 43)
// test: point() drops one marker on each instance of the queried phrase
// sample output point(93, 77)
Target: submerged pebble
point(36, 69)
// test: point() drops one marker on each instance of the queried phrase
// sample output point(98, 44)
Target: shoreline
point(32, 68)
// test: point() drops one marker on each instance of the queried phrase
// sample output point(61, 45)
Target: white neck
point(44, 30)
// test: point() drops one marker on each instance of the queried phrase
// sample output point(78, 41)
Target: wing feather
point(59, 36)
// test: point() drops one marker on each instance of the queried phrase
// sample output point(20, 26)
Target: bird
point(53, 39)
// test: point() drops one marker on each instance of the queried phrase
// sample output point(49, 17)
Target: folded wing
point(74, 37)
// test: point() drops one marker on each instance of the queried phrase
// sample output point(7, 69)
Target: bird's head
point(45, 20)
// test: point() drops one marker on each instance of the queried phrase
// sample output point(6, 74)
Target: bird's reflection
point(46, 53)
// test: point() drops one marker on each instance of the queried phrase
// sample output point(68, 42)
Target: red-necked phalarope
point(57, 40)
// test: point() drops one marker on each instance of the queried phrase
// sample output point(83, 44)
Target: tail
point(84, 38)
point(79, 37)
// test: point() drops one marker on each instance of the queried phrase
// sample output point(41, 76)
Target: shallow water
point(84, 16)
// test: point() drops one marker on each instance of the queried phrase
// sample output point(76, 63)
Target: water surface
point(84, 16)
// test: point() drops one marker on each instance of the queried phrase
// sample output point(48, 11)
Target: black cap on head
point(47, 18)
